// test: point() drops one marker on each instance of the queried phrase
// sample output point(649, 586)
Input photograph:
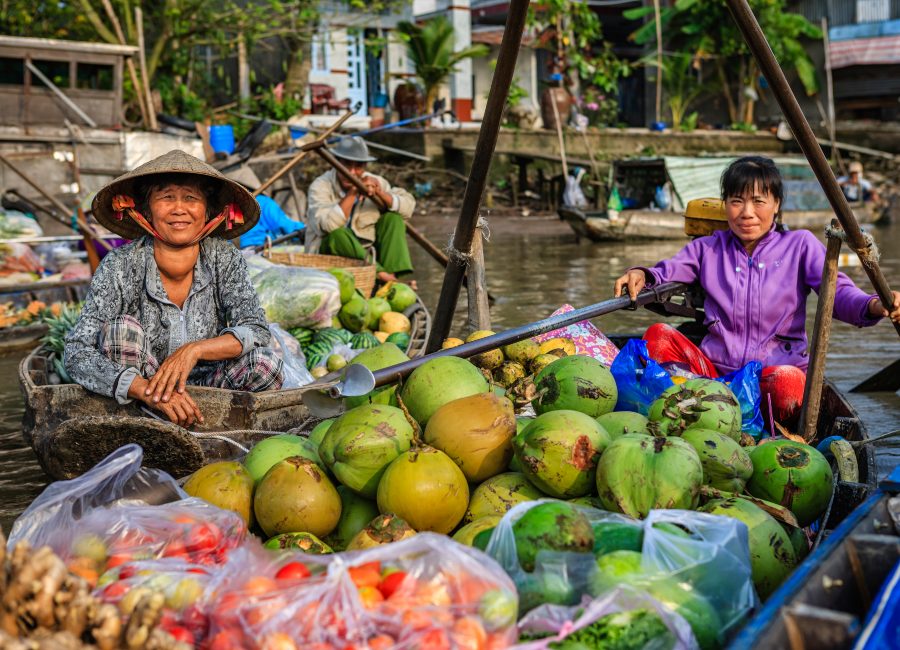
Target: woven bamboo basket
point(363, 273)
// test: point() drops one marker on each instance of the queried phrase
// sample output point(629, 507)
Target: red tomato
point(366, 575)
point(391, 582)
point(174, 548)
point(202, 538)
point(435, 639)
point(293, 571)
point(370, 597)
point(114, 592)
point(181, 634)
point(117, 560)
point(228, 639)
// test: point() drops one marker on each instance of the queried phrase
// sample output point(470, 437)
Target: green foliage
point(600, 109)
point(706, 30)
point(680, 84)
point(430, 48)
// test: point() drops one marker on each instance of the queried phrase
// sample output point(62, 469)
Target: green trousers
point(392, 251)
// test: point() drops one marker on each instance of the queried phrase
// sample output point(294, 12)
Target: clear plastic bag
point(288, 348)
point(639, 378)
point(560, 622)
point(683, 556)
point(297, 297)
point(441, 593)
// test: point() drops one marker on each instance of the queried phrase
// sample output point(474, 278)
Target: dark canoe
point(844, 592)
point(71, 429)
point(634, 225)
point(21, 337)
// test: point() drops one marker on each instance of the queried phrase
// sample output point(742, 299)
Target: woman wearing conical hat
point(175, 307)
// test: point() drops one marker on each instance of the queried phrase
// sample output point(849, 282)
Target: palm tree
point(430, 48)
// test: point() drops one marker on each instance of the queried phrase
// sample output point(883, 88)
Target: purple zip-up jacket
point(756, 306)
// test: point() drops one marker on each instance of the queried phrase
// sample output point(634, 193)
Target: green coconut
point(384, 356)
point(318, 433)
point(354, 314)
point(697, 404)
point(618, 423)
point(551, 526)
point(772, 555)
point(793, 475)
point(575, 383)
point(798, 540)
point(437, 382)
point(362, 443)
point(305, 542)
point(726, 466)
point(466, 534)
point(610, 536)
point(378, 307)
point(559, 452)
point(267, 452)
point(497, 495)
point(522, 421)
point(401, 297)
point(356, 513)
point(638, 473)
point(616, 567)
point(699, 613)
point(588, 502)
point(295, 496)
point(540, 362)
point(346, 281)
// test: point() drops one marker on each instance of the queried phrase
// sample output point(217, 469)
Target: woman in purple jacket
point(757, 277)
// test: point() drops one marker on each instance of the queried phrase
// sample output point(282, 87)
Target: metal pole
point(756, 40)
point(481, 164)
point(658, 294)
point(815, 374)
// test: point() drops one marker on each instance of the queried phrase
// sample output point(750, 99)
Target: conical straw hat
point(174, 162)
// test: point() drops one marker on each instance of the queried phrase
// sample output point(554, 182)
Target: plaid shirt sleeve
point(82, 358)
point(244, 317)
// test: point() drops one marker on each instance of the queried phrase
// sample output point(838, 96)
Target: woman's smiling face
point(750, 215)
point(178, 212)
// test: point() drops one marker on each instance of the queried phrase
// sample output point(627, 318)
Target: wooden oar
point(658, 294)
point(885, 380)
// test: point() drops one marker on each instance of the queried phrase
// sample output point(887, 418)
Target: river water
point(534, 265)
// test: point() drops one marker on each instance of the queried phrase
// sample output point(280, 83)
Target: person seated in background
point(756, 277)
point(857, 189)
point(342, 221)
point(175, 307)
point(273, 223)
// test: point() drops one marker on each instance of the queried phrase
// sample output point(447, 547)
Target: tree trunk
point(726, 91)
point(299, 65)
point(243, 68)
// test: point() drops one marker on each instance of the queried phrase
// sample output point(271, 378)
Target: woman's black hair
point(751, 172)
point(144, 188)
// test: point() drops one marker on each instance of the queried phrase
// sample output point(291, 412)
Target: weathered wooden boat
point(691, 178)
point(71, 429)
point(21, 337)
point(832, 599)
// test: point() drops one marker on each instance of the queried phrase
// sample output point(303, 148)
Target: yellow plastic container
point(704, 216)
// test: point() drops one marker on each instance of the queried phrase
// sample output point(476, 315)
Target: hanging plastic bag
point(288, 348)
point(744, 383)
point(587, 338)
point(424, 592)
point(623, 616)
point(297, 297)
point(639, 378)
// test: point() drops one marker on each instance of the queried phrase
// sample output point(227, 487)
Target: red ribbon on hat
point(231, 214)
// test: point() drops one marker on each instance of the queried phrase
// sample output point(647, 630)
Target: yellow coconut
point(384, 529)
point(384, 290)
point(486, 360)
point(424, 487)
point(391, 322)
point(476, 432)
point(381, 336)
point(566, 345)
point(226, 484)
point(451, 343)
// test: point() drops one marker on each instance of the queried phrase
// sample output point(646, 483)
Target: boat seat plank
point(872, 557)
point(816, 628)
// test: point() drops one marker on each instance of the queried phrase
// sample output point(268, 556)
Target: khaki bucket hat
point(174, 162)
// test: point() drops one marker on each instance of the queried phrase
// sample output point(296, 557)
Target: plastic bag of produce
point(587, 338)
point(297, 297)
point(744, 383)
point(423, 592)
point(288, 348)
point(622, 618)
point(639, 379)
point(18, 258)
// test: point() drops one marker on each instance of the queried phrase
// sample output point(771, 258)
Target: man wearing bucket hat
point(341, 221)
point(175, 307)
point(856, 188)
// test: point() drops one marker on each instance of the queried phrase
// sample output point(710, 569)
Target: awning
point(875, 43)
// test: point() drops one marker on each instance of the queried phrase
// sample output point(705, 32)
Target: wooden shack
point(88, 74)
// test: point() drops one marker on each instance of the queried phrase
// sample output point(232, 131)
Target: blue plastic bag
point(744, 383)
point(639, 379)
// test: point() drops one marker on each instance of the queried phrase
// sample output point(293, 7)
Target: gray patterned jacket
point(127, 282)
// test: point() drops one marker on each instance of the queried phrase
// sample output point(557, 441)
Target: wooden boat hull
point(635, 225)
point(21, 337)
point(71, 429)
point(824, 602)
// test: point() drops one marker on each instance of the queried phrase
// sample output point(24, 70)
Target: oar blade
point(886, 380)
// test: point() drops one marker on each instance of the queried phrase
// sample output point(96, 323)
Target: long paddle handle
point(756, 40)
point(304, 151)
point(657, 294)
